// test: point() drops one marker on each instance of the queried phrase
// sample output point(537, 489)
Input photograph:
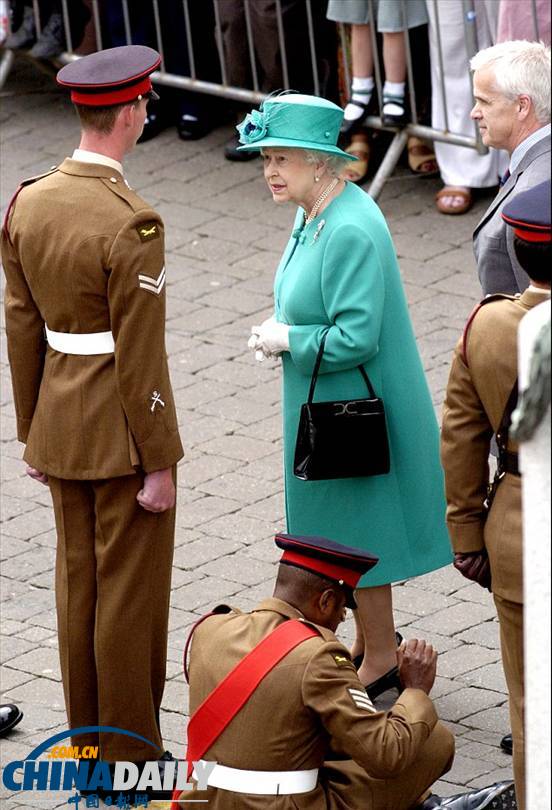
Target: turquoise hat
point(295, 121)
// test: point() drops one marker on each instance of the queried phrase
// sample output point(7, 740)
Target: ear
point(327, 601)
point(126, 116)
point(525, 106)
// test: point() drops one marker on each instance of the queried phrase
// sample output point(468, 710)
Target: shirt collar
point(540, 290)
point(84, 156)
point(521, 149)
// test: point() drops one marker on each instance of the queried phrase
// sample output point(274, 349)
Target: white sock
point(393, 89)
point(361, 92)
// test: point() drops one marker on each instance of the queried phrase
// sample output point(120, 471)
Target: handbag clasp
point(345, 408)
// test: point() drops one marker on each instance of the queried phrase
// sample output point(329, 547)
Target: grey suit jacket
point(497, 266)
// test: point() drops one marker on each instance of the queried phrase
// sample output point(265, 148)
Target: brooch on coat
point(318, 230)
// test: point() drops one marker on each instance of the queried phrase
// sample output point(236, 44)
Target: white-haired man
point(512, 107)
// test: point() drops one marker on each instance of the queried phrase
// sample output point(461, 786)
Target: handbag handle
point(316, 369)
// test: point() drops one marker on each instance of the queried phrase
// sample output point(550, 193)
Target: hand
point(417, 665)
point(36, 475)
point(476, 567)
point(158, 493)
point(271, 337)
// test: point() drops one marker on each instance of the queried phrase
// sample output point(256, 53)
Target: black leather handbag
point(343, 439)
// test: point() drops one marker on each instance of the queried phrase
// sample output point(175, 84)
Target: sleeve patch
point(342, 660)
point(148, 231)
point(152, 285)
point(361, 700)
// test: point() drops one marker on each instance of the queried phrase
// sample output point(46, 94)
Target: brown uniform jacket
point(483, 372)
point(84, 253)
point(305, 711)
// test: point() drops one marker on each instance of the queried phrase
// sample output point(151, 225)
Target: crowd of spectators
point(247, 45)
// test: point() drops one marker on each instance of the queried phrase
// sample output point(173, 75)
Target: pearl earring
point(316, 179)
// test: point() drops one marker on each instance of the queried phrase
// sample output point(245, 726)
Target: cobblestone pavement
point(224, 236)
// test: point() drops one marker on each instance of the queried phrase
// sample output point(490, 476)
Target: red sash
point(228, 698)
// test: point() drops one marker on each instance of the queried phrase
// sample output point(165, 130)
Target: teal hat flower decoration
point(293, 120)
point(253, 127)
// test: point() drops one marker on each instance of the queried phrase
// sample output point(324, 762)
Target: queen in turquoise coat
point(339, 275)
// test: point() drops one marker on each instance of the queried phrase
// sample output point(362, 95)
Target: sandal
point(357, 171)
point(421, 157)
point(454, 191)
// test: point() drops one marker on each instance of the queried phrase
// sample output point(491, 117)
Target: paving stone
point(465, 702)
point(205, 509)
point(241, 568)
point(242, 448)
point(41, 661)
point(495, 719)
point(206, 591)
point(457, 618)
point(490, 676)
point(419, 602)
point(237, 486)
point(192, 555)
point(24, 566)
point(31, 523)
point(466, 658)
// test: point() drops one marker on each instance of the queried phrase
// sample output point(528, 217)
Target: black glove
point(475, 566)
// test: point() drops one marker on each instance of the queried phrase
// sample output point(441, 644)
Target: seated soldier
point(277, 705)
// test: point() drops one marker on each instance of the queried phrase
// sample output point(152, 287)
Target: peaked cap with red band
point(528, 213)
point(111, 77)
point(328, 559)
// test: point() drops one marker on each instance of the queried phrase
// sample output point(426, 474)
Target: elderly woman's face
point(288, 175)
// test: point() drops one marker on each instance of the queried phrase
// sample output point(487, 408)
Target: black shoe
point(231, 151)
point(394, 119)
point(25, 34)
point(501, 796)
point(191, 127)
point(358, 659)
point(507, 744)
point(348, 127)
point(10, 716)
point(51, 41)
point(157, 119)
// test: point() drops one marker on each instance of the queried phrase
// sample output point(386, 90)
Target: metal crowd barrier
point(254, 95)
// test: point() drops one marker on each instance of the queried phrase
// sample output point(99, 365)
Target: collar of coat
point(286, 610)
point(82, 169)
point(540, 148)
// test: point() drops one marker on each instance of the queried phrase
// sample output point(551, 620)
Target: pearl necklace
point(315, 208)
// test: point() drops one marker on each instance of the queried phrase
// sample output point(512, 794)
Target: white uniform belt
point(262, 783)
point(84, 343)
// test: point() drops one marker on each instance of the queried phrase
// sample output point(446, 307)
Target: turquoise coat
point(341, 272)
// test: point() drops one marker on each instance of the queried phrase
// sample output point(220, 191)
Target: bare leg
point(375, 615)
point(361, 51)
point(394, 56)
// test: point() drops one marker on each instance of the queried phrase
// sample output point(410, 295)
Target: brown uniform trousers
point(483, 372)
point(306, 714)
point(83, 253)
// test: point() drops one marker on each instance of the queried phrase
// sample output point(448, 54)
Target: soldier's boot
point(25, 35)
point(51, 41)
point(501, 796)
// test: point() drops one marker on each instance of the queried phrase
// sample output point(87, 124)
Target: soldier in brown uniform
point(85, 312)
point(480, 398)
point(308, 736)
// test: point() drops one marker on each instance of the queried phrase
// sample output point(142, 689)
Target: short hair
point(535, 258)
point(98, 119)
point(520, 68)
point(335, 164)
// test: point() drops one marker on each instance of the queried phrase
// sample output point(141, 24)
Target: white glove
point(269, 339)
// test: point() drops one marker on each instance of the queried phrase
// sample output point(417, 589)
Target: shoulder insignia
point(29, 181)
point(487, 300)
point(342, 660)
point(148, 231)
point(361, 700)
